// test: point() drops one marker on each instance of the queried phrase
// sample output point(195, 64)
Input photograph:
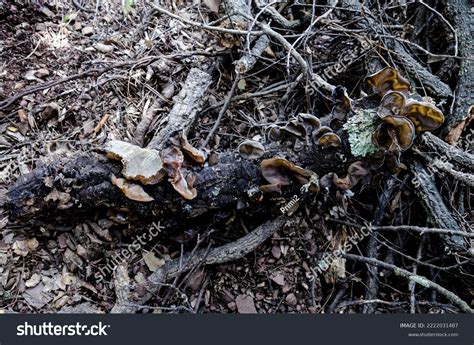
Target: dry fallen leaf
point(278, 278)
point(131, 190)
point(22, 248)
point(33, 281)
point(152, 261)
point(213, 5)
point(36, 297)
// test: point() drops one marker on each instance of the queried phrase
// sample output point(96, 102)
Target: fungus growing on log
point(392, 127)
point(329, 140)
point(251, 149)
point(131, 190)
point(181, 180)
point(139, 164)
point(388, 79)
point(394, 134)
point(425, 116)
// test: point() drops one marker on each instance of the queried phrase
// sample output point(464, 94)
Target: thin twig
point(423, 281)
point(401, 228)
point(222, 111)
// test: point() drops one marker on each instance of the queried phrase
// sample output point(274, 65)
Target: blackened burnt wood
point(86, 180)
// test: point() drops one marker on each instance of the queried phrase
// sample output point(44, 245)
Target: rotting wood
point(86, 178)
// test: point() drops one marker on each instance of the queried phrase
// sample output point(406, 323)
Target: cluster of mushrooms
point(305, 128)
point(398, 118)
point(149, 167)
point(401, 114)
point(393, 127)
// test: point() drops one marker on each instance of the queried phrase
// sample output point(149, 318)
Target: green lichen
point(360, 128)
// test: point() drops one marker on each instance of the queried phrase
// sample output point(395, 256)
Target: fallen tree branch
point(186, 104)
point(94, 72)
point(220, 116)
point(412, 66)
point(423, 281)
point(436, 209)
point(204, 26)
point(372, 287)
point(432, 145)
point(86, 180)
point(149, 115)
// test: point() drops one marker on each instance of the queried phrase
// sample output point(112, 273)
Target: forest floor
point(76, 74)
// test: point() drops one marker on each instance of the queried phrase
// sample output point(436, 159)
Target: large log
point(69, 187)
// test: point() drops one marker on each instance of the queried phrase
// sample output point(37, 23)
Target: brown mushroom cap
point(318, 133)
point(388, 79)
point(295, 128)
point(131, 190)
point(310, 122)
point(178, 177)
point(329, 140)
point(424, 115)
point(183, 183)
point(275, 133)
point(195, 154)
point(251, 149)
point(279, 170)
point(392, 103)
point(395, 133)
point(274, 188)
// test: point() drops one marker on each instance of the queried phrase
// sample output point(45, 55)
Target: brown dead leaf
point(23, 115)
point(152, 262)
point(36, 297)
point(213, 5)
point(33, 281)
point(291, 299)
point(56, 195)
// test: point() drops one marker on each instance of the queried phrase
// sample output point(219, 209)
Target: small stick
point(222, 111)
point(401, 228)
point(423, 281)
